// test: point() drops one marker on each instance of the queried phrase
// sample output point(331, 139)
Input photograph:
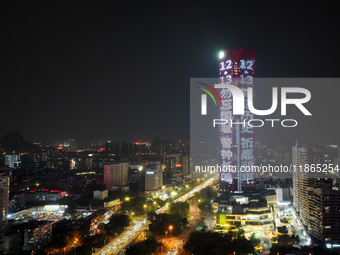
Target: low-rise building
point(100, 194)
point(34, 196)
point(251, 212)
point(112, 203)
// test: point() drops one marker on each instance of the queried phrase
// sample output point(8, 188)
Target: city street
point(125, 238)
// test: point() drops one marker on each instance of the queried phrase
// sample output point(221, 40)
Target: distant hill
point(14, 141)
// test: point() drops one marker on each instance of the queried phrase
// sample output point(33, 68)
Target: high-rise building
point(12, 161)
point(301, 155)
point(136, 177)
point(309, 189)
point(172, 161)
point(153, 176)
point(4, 200)
point(324, 214)
point(116, 175)
point(237, 142)
point(185, 164)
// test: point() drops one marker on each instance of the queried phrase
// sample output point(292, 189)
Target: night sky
point(121, 69)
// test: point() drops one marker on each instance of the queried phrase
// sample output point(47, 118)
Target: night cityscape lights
point(126, 130)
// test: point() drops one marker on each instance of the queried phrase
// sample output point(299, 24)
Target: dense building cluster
point(90, 175)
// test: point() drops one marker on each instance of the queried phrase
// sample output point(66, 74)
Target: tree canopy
point(208, 243)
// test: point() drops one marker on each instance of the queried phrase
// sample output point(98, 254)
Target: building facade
point(36, 234)
point(254, 212)
point(314, 195)
point(153, 176)
point(116, 175)
point(100, 194)
point(12, 161)
point(237, 142)
point(4, 200)
point(324, 218)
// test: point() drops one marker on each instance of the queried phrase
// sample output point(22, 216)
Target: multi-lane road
point(122, 240)
point(125, 238)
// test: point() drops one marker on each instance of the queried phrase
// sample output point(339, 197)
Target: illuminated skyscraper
point(237, 141)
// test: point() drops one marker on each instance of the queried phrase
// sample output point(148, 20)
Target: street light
point(170, 228)
point(166, 233)
point(145, 208)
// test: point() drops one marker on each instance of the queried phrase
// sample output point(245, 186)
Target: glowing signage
point(237, 68)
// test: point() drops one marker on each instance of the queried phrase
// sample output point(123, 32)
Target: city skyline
point(169, 127)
